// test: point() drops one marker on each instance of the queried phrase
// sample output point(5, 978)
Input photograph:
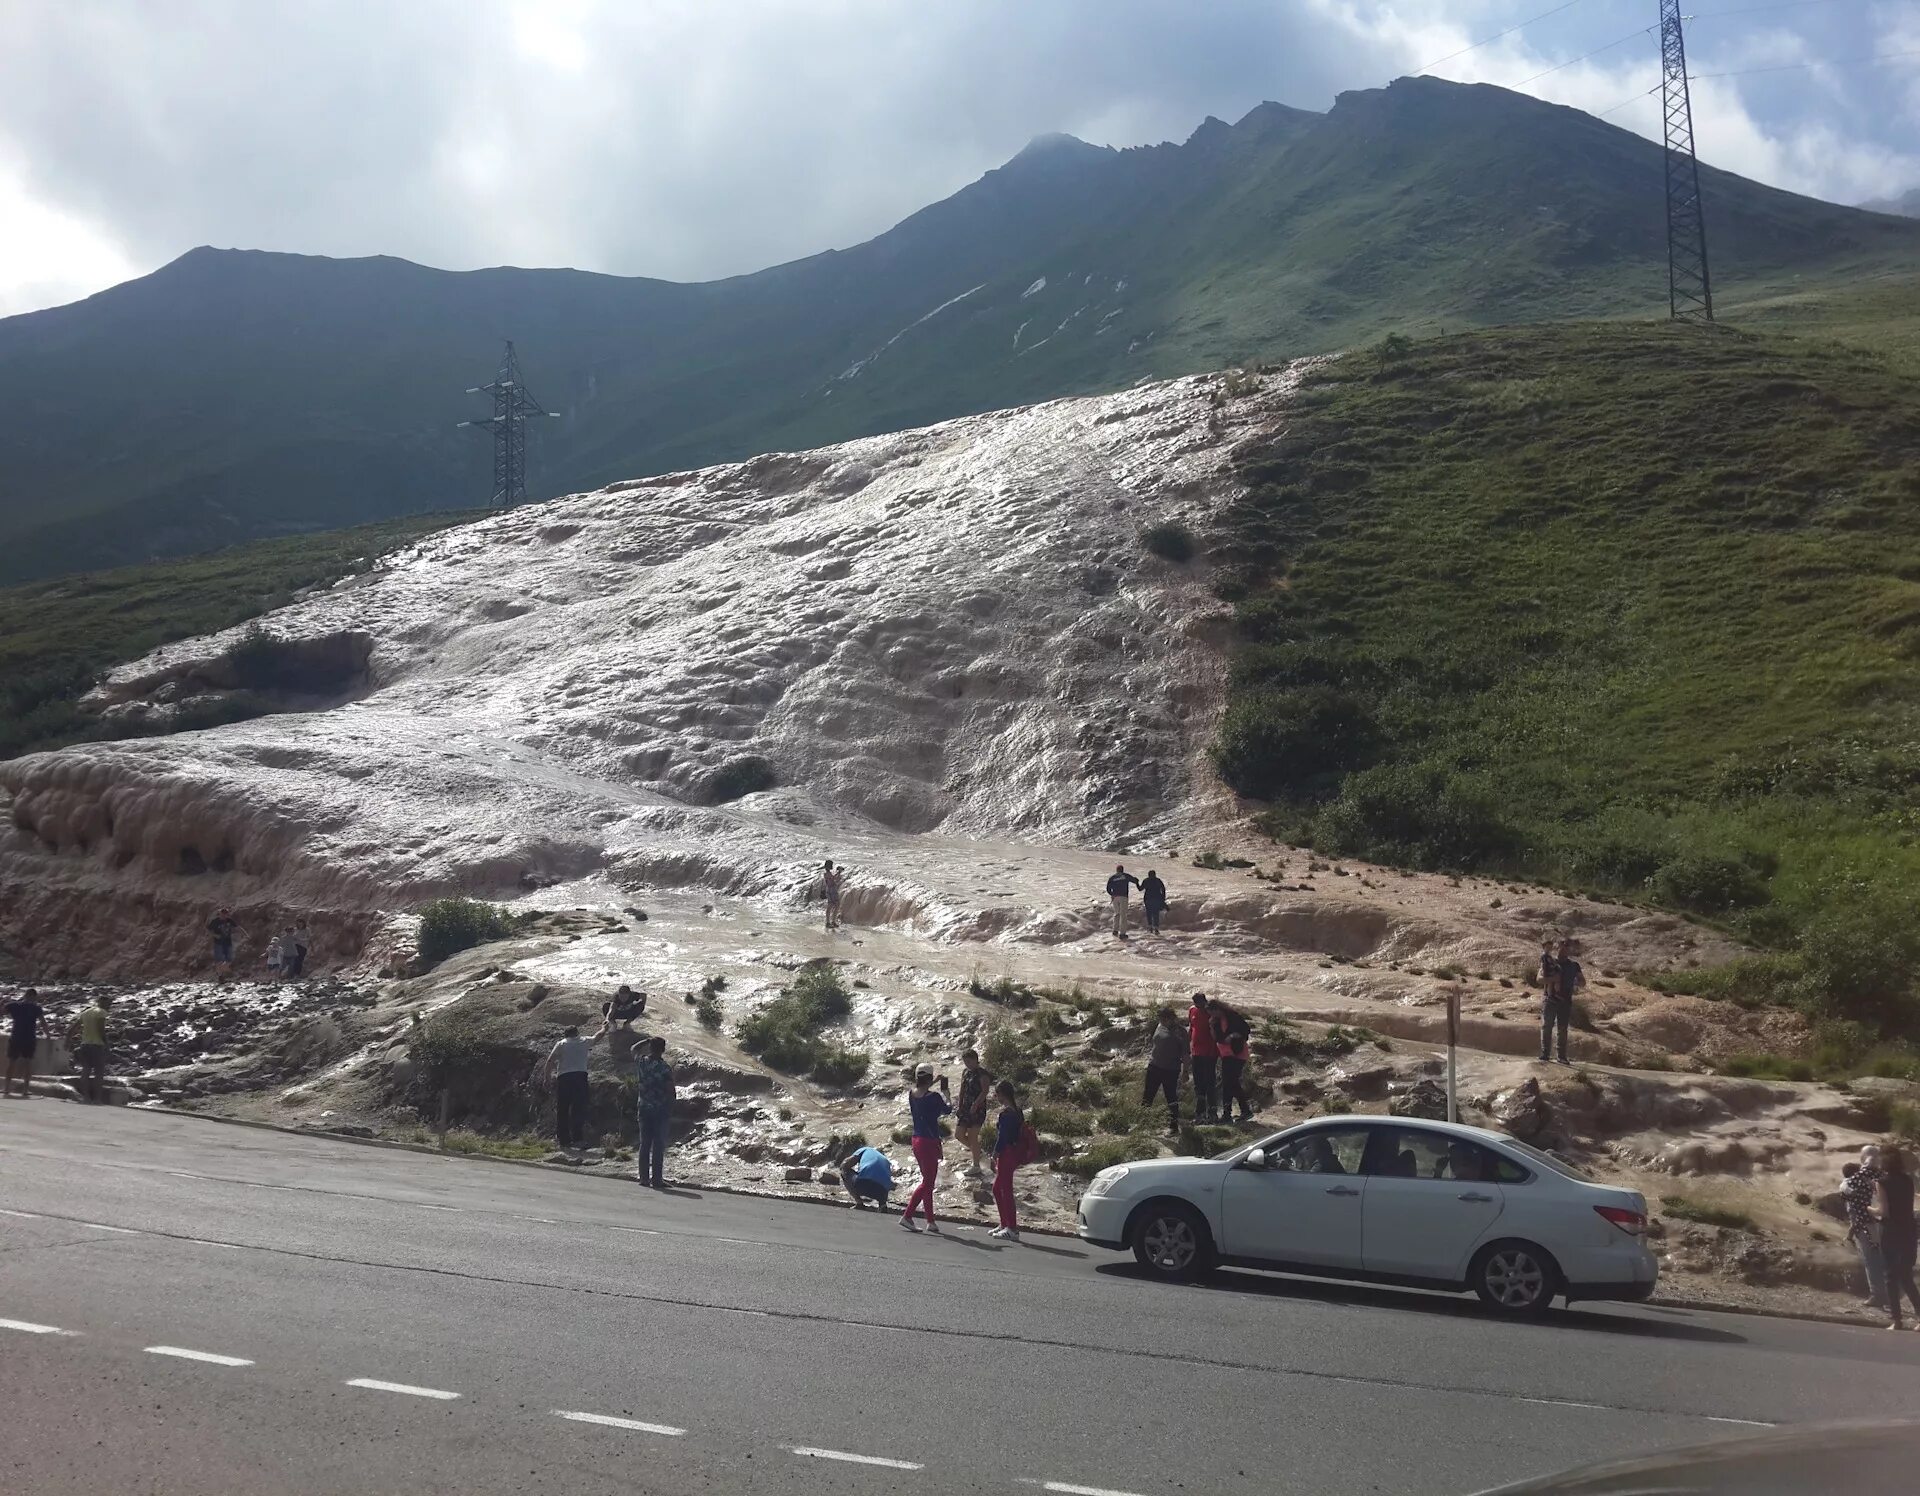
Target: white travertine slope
point(954, 630)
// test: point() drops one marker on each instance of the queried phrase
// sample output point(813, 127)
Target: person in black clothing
point(24, 1015)
point(1118, 887)
point(1153, 899)
point(1560, 978)
point(1166, 1053)
point(1230, 1035)
point(1897, 1237)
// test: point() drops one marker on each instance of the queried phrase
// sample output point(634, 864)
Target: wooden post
point(1453, 1044)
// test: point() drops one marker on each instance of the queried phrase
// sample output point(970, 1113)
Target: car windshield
point(1549, 1160)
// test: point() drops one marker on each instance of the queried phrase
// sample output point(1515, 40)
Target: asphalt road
point(732, 1336)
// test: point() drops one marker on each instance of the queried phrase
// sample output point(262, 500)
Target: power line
point(1630, 36)
point(1825, 62)
point(1520, 26)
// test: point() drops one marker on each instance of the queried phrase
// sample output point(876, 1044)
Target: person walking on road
point(1897, 1238)
point(655, 1078)
point(1153, 899)
point(567, 1068)
point(1230, 1035)
point(970, 1109)
point(1560, 978)
point(868, 1175)
point(1118, 888)
point(1858, 1182)
point(91, 1026)
point(1166, 1053)
point(222, 927)
point(927, 1107)
point(832, 880)
point(1011, 1139)
point(1205, 1051)
point(24, 1017)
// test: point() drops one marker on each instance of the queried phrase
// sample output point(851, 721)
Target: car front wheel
point(1172, 1241)
point(1515, 1277)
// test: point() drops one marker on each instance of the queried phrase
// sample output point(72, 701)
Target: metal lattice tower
point(511, 407)
point(1689, 288)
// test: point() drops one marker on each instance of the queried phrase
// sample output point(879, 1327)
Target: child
point(275, 957)
point(1009, 1151)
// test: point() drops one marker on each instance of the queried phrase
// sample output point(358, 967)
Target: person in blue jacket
point(868, 1175)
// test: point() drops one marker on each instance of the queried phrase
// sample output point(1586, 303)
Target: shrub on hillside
point(1290, 741)
point(450, 925)
point(738, 777)
point(1708, 885)
point(1170, 540)
point(1423, 814)
point(786, 1032)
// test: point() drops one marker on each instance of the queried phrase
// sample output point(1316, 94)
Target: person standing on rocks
point(1205, 1051)
point(1010, 1139)
point(566, 1066)
point(655, 1078)
point(831, 881)
point(1560, 978)
point(91, 1026)
point(1166, 1053)
point(1230, 1036)
point(970, 1111)
point(1857, 1184)
point(302, 943)
point(1153, 899)
point(927, 1106)
point(24, 1017)
point(1897, 1235)
point(223, 928)
point(1118, 888)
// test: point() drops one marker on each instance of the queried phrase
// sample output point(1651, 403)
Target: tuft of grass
point(448, 926)
point(1106, 1153)
point(1170, 540)
point(786, 1032)
point(459, 1140)
point(1005, 991)
point(1683, 1209)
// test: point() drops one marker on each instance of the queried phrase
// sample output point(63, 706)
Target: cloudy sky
point(699, 138)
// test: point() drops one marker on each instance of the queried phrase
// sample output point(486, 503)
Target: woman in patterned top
point(1856, 1189)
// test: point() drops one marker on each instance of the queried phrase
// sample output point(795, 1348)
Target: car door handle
point(1476, 1197)
point(1343, 1189)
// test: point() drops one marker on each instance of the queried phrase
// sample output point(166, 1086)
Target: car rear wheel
point(1515, 1277)
point(1172, 1241)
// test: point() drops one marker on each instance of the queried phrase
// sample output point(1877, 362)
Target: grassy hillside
point(237, 394)
point(1631, 606)
point(57, 638)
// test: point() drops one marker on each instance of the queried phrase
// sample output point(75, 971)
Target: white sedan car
point(1383, 1200)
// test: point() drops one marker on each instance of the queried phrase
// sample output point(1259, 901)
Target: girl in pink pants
point(928, 1106)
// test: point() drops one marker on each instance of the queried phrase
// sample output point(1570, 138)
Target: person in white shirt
point(566, 1063)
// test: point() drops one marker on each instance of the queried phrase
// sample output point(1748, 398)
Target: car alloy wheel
point(1170, 1243)
point(1515, 1279)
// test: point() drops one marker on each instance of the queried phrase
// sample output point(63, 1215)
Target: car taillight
point(1630, 1221)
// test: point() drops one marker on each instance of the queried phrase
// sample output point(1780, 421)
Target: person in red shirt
point(1206, 1058)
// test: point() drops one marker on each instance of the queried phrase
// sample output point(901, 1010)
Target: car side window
point(1325, 1150)
point(1417, 1153)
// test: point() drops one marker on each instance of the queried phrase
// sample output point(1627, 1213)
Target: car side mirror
point(1257, 1159)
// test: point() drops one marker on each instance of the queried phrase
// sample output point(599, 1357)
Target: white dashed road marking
point(1743, 1422)
point(450, 1209)
point(608, 1421)
point(537, 1220)
point(23, 1215)
point(28, 1327)
point(201, 1241)
point(375, 1386)
point(1561, 1402)
point(116, 1230)
point(856, 1459)
point(636, 1230)
point(1070, 1490)
point(187, 1355)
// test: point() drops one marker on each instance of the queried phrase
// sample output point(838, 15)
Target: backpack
point(1028, 1148)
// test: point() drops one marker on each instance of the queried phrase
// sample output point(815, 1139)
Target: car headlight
point(1106, 1179)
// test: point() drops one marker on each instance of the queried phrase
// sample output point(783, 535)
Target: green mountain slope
point(234, 394)
point(1633, 606)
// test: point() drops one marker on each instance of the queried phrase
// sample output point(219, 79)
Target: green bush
point(1170, 540)
point(1009, 1055)
point(1767, 1067)
point(706, 1008)
point(786, 1032)
point(1708, 885)
point(1423, 814)
point(834, 1065)
point(1683, 1209)
point(1005, 992)
point(1106, 1153)
point(1292, 741)
point(450, 925)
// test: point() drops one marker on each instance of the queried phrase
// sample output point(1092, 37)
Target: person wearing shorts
point(970, 1110)
point(831, 879)
point(24, 1017)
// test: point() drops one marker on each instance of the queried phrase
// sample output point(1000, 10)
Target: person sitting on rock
point(868, 1175)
